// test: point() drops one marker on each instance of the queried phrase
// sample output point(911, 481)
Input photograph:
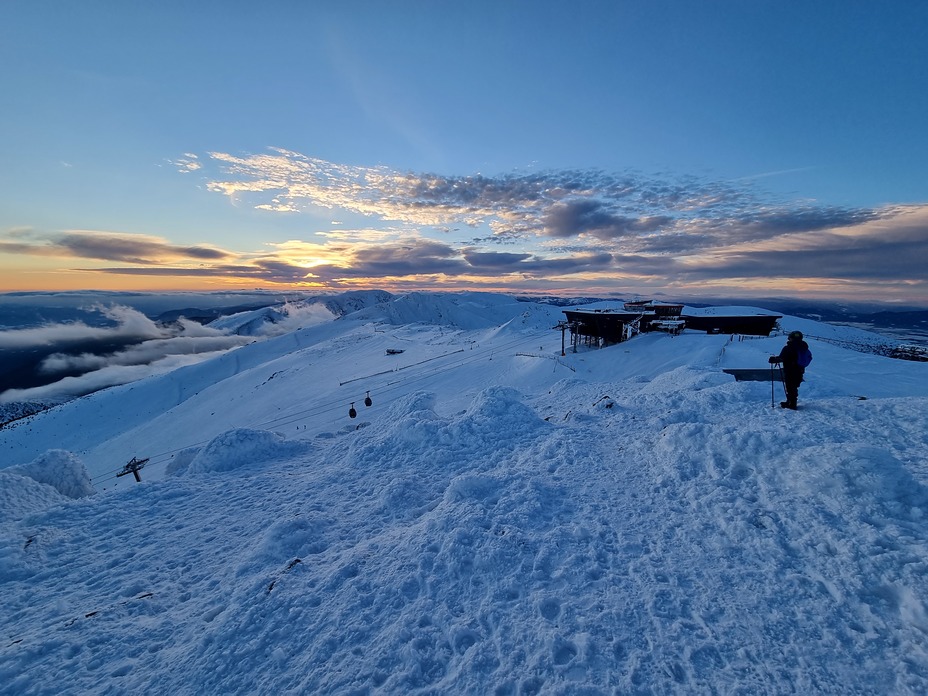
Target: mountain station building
point(608, 326)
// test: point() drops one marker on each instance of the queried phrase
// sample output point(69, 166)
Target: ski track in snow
point(663, 534)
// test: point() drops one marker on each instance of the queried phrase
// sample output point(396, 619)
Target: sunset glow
point(597, 163)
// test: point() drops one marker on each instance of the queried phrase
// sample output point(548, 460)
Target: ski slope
point(501, 520)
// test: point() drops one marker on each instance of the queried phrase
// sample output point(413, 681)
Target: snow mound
point(501, 408)
point(21, 496)
point(683, 379)
point(240, 447)
point(414, 436)
point(60, 469)
point(288, 541)
point(180, 462)
point(413, 421)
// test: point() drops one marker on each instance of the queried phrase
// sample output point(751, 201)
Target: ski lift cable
point(160, 457)
point(335, 405)
point(319, 409)
point(290, 418)
point(285, 419)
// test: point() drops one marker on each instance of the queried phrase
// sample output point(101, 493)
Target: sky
point(745, 148)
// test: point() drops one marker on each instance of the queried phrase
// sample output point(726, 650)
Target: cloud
point(174, 345)
point(288, 181)
point(296, 315)
point(129, 324)
point(493, 260)
point(108, 246)
point(876, 253)
point(187, 164)
point(413, 258)
point(218, 270)
point(405, 259)
point(778, 172)
point(820, 243)
point(557, 204)
point(579, 263)
point(156, 349)
point(109, 376)
point(769, 223)
point(146, 353)
point(442, 230)
point(595, 218)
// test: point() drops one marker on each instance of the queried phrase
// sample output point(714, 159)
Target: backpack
point(803, 357)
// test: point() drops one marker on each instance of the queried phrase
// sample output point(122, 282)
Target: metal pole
point(772, 399)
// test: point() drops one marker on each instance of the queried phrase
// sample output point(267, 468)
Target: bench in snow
point(754, 374)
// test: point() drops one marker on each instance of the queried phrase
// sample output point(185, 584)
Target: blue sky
point(759, 148)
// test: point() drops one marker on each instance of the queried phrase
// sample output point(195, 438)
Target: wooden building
point(658, 316)
point(608, 326)
point(661, 310)
point(601, 326)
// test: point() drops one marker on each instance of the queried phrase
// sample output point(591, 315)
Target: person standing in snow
point(793, 372)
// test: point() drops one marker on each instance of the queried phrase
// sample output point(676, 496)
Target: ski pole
point(772, 378)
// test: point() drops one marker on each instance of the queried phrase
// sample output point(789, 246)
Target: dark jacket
point(789, 359)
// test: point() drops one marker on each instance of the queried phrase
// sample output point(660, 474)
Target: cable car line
point(334, 405)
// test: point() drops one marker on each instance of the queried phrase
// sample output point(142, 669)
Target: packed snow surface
point(501, 519)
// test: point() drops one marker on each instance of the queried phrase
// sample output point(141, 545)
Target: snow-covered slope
point(502, 519)
point(277, 320)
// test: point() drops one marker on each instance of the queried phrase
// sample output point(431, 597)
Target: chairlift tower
point(133, 467)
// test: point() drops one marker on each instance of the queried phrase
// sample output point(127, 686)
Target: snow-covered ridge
point(466, 311)
point(727, 311)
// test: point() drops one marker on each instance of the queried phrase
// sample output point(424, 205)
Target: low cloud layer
point(128, 323)
point(154, 349)
point(151, 348)
point(101, 378)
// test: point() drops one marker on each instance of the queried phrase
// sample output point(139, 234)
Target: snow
point(727, 311)
point(51, 478)
point(242, 446)
point(273, 321)
point(22, 495)
point(501, 520)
